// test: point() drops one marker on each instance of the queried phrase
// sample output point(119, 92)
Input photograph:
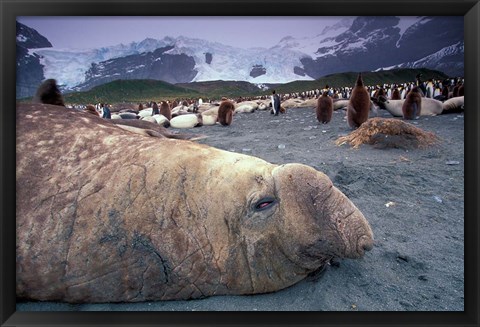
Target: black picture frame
point(11, 9)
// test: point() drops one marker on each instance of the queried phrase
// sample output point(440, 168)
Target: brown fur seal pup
point(102, 216)
point(225, 112)
point(165, 110)
point(412, 106)
point(324, 108)
point(49, 93)
point(358, 107)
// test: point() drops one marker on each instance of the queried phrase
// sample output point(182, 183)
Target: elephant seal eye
point(265, 203)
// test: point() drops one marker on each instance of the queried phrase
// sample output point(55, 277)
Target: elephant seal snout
point(328, 222)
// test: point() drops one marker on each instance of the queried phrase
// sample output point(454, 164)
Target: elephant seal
point(146, 112)
point(104, 217)
point(180, 110)
point(453, 105)
point(161, 120)
point(147, 128)
point(210, 116)
point(430, 107)
point(412, 106)
point(359, 105)
point(262, 106)
point(49, 93)
point(206, 107)
point(225, 112)
point(340, 104)
point(209, 120)
point(246, 107)
point(128, 115)
point(324, 108)
point(186, 121)
point(149, 119)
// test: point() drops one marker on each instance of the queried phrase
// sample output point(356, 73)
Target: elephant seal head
point(295, 221)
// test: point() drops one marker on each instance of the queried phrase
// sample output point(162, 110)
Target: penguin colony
point(359, 100)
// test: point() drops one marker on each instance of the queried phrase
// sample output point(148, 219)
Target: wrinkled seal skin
point(106, 217)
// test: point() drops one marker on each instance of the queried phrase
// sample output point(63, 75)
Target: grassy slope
point(135, 91)
point(130, 91)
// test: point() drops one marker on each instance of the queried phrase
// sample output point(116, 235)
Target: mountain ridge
point(353, 44)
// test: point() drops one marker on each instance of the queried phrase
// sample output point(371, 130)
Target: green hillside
point(130, 91)
point(134, 91)
point(218, 89)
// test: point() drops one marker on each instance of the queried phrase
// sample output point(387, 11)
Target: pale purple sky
point(92, 32)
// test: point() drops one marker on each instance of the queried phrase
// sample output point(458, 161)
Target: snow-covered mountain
point(29, 70)
point(449, 58)
point(352, 44)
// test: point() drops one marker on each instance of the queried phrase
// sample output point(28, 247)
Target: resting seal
point(246, 107)
point(453, 105)
point(104, 217)
point(340, 104)
point(186, 121)
point(430, 107)
point(210, 116)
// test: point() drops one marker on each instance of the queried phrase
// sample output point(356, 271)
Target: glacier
point(68, 66)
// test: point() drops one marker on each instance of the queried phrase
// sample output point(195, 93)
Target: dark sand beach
point(413, 200)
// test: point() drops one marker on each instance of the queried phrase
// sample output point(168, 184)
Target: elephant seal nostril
point(365, 243)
